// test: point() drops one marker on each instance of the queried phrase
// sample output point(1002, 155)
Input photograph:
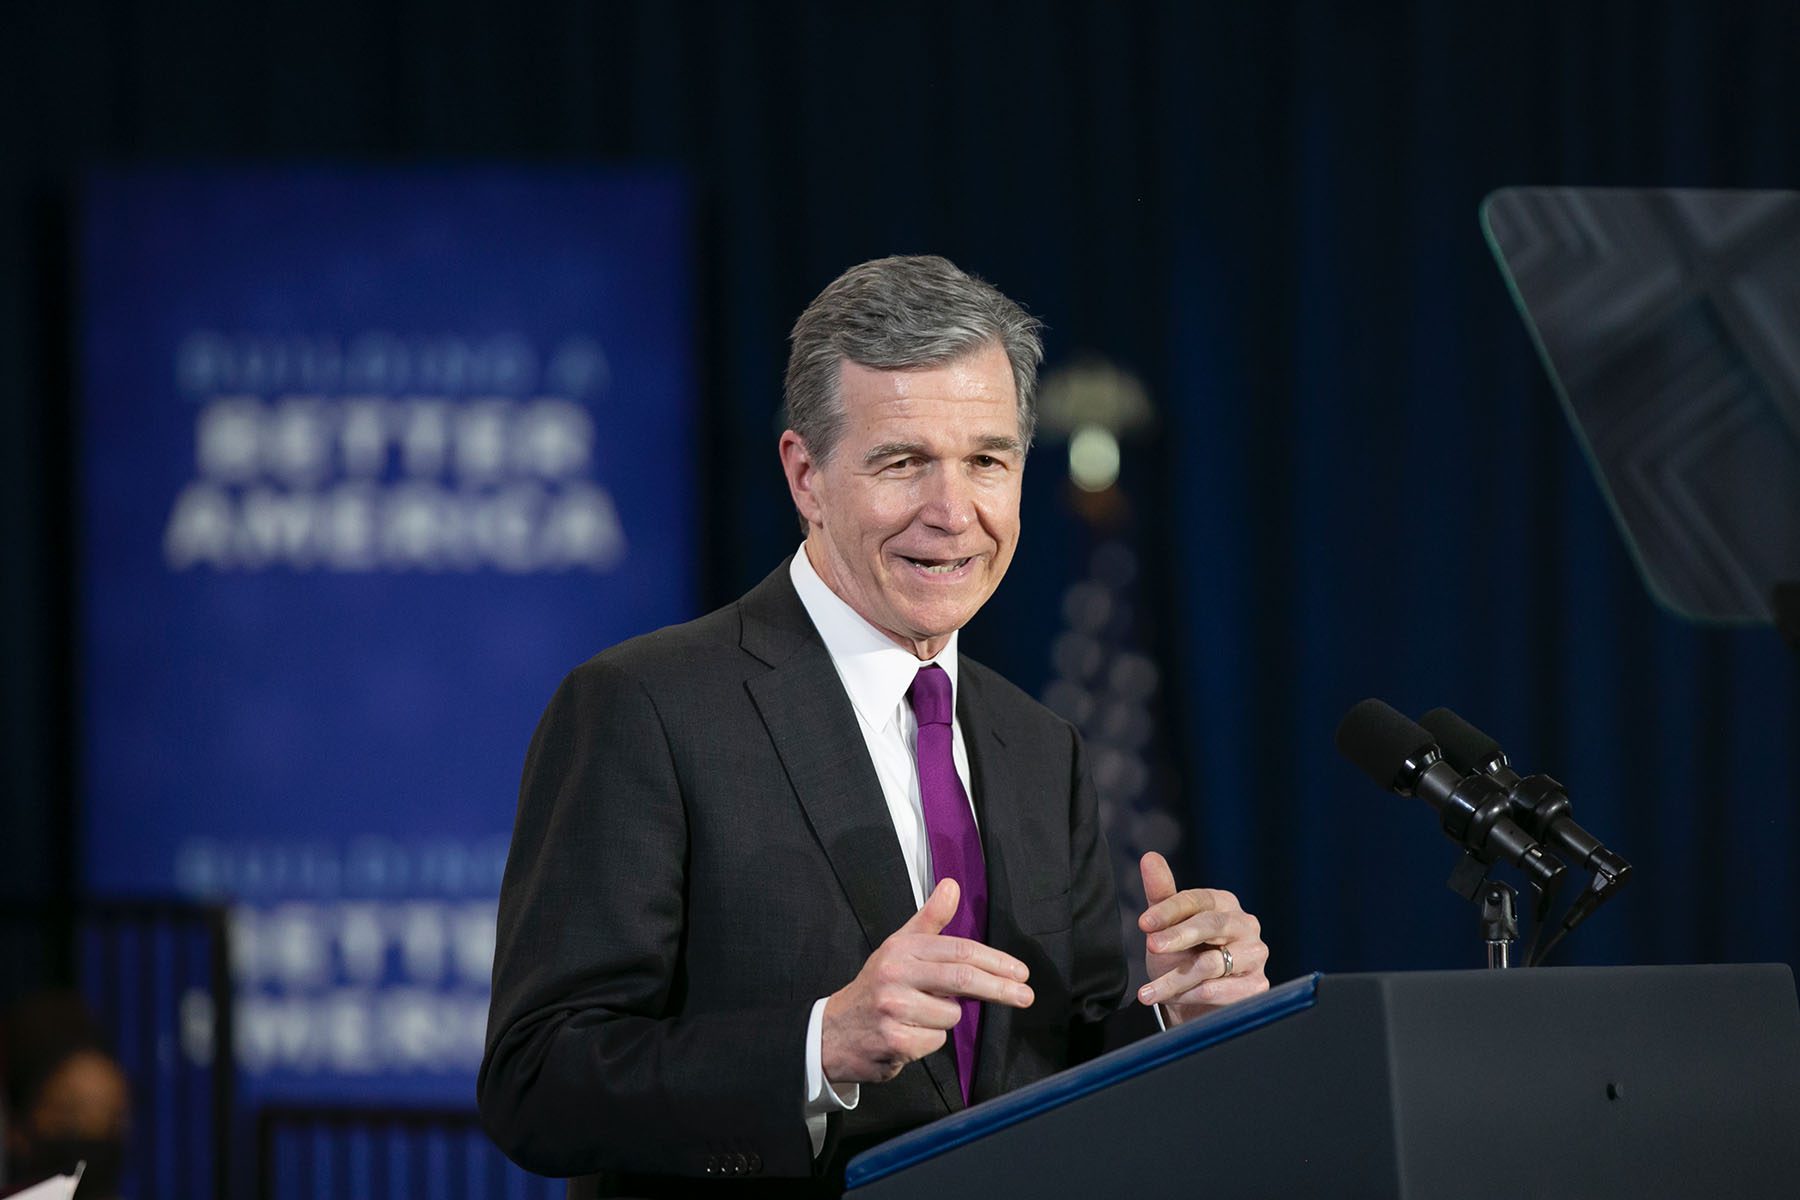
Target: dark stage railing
point(315, 1152)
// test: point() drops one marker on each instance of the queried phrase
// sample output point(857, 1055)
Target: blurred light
point(1155, 830)
point(1086, 606)
point(1069, 701)
point(1093, 459)
point(1134, 676)
point(1077, 656)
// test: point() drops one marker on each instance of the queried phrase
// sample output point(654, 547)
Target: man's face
point(914, 518)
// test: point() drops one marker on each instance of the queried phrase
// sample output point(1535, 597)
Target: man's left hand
point(1188, 934)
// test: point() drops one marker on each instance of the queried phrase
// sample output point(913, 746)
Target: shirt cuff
point(822, 1099)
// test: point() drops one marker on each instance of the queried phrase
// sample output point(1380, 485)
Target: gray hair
point(891, 314)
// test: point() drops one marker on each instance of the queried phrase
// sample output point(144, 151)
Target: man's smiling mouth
point(939, 566)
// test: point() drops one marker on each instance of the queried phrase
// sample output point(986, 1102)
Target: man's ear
point(802, 477)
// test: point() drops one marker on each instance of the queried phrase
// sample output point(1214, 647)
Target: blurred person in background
point(67, 1100)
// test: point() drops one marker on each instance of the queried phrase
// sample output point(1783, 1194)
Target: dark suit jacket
point(702, 850)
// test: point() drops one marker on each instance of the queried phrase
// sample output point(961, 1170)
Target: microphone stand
point(1498, 903)
point(1499, 923)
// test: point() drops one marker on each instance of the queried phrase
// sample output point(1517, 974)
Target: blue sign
point(370, 459)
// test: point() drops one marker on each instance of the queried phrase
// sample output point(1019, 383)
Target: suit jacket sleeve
point(590, 1064)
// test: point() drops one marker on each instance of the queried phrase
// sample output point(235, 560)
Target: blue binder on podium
point(1573, 1081)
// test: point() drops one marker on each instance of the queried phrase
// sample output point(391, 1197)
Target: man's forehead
point(925, 420)
point(982, 376)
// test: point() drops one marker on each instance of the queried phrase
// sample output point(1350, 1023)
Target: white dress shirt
point(876, 674)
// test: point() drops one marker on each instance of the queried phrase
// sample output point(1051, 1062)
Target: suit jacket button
point(712, 1165)
point(739, 1164)
point(755, 1161)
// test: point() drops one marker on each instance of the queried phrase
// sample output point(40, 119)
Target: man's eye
point(904, 464)
point(987, 460)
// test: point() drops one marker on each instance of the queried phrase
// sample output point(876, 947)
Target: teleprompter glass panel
point(1669, 321)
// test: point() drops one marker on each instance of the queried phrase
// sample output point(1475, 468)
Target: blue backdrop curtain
point(1361, 483)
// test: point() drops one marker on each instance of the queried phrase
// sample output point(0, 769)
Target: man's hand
point(903, 1002)
point(1182, 953)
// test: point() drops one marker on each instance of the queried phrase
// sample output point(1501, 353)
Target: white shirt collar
point(876, 672)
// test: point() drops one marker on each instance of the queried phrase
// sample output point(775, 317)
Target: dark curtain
point(1361, 483)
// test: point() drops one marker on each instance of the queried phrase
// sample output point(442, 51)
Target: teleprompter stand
point(1572, 1081)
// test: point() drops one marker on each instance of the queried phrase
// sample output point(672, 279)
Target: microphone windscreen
point(1466, 747)
point(1379, 741)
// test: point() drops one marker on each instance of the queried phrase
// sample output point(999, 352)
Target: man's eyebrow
point(893, 450)
point(993, 443)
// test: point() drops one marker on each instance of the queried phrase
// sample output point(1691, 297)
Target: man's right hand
point(903, 1003)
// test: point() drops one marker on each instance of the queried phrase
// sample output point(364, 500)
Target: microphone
point(1538, 801)
point(1403, 758)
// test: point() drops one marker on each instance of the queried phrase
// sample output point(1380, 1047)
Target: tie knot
point(930, 696)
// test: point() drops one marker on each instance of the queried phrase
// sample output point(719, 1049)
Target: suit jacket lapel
point(997, 808)
point(813, 726)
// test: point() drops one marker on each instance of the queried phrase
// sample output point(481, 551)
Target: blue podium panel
point(989, 1118)
point(370, 459)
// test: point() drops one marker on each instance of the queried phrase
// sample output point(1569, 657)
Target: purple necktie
point(955, 846)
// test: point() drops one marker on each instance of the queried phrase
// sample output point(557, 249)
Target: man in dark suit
point(796, 876)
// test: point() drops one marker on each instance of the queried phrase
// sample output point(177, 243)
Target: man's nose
point(950, 501)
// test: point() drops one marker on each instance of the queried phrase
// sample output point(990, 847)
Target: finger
point(1199, 981)
point(1159, 880)
point(910, 1006)
point(1223, 928)
point(1249, 957)
point(1232, 988)
point(1175, 909)
point(921, 1041)
point(1173, 986)
point(964, 980)
point(937, 910)
point(956, 949)
point(1184, 904)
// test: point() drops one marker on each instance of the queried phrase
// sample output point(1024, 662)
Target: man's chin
point(941, 620)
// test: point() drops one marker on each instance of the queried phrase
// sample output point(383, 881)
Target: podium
point(1572, 1081)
